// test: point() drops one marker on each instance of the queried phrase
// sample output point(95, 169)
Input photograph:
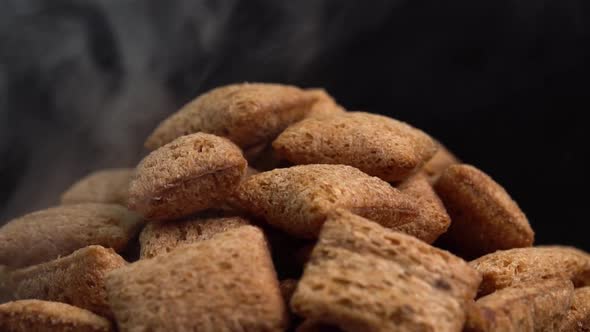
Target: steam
point(83, 83)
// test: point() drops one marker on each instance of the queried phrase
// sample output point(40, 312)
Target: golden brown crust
point(297, 199)
point(577, 319)
point(226, 283)
point(510, 267)
point(537, 306)
point(47, 234)
point(41, 316)
point(363, 277)
point(442, 159)
point(324, 105)
point(433, 220)
point(106, 186)
point(248, 114)
point(162, 237)
point(375, 144)
point(188, 175)
point(484, 217)
point(77, 279)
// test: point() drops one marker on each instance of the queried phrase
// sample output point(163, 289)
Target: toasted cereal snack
point(48, 234)
point(297, 199)
point(442, 159)
point(375, 144)
point(535, 306)
point(364, 277)
point(161, 237)
point(105, 186)
point(77, 279)
point(577, 319)
point(510, 267)
point(188, 175)
point(433, 220)
point(226, 283)
point(36, 315)
point(324, 105)
point(484, 217)
point(265, 158)
point(248, 114)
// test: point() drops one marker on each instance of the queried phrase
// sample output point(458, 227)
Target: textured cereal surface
point(188, 175)
point(226, 283)
point(577, 319)
point(106, 186)
point(442, 159)
point(363, 277)
point(510, 267)
point(77, 279)
point(433, 220)
point(375, 144)
point(536, 306)
point(324, 105)
point(41, 316)
point(297, 199)
point(161, 237)
point(484, 217)
point(248, 114)
point(45, 235)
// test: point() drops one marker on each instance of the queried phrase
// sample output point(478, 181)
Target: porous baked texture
point(375, 144)
point(248, 114)
point(364, 277)
point(77, 279)
point(161, 237)
point(297, 199)
point(577, 318)
point(105, 186)
point(226, 283)
point(48, 234)
point(433, 219)
point(442, 159)
point(484, 217)
point(324, 105)
point(536, 306)
point(42, 316)
point(188, 175)
point(510, 267)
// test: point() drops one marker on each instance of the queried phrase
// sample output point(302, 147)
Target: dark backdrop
point(503, 83)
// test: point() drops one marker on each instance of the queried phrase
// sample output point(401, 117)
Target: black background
point(503, 84)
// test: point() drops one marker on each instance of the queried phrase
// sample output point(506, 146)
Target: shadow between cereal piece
point(484, 217)
point(225, 283)
point(38, 315)
point(535, 306)
point(77, 279)
point(375, 144)
point(48, 234)
point(442, 159)
point(364, 277)
point(506, 268)
point(248, 114)
point(297, 199)
point(188, 175)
